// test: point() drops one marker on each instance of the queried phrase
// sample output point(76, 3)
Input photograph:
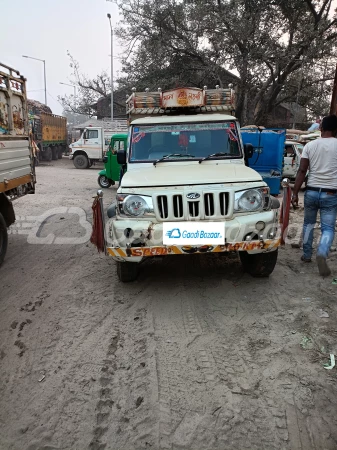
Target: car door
point(290, 165)
point(92, 143)
point(118, 144)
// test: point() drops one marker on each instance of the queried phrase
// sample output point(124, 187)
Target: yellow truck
point(17, 174)
point(50, 134)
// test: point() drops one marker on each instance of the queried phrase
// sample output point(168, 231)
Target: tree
point(89, 90)
point(268, 43)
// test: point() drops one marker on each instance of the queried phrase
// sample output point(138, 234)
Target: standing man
point(320, 157)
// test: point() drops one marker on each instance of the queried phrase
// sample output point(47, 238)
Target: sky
point(47, 29)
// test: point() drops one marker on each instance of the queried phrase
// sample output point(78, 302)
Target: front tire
point(127, 271)
point(81, 162)
point(259, 265)
point(3, 239)
point(104, 182)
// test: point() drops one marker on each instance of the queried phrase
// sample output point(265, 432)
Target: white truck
point(186, 187)
point(17, 174)
point(94, 142)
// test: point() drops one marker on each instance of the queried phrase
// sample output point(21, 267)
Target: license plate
point(193, 233)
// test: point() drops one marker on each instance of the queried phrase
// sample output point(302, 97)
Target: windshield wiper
point(177, 155)
point(213, 155)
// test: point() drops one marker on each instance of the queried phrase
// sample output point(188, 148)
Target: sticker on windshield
point(192, 139)
point(232, 135)
point(137, 137)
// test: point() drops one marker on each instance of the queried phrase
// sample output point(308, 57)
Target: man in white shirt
point(320, 157)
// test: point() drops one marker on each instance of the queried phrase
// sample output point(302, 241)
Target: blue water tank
point(267, 159)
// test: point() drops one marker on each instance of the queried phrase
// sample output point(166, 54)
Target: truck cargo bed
point(15, 164)
point(16, 158)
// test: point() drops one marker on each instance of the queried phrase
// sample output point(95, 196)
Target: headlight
point(134, 205)
point(252, 200)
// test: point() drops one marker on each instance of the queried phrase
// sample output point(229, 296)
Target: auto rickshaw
point(112, 170)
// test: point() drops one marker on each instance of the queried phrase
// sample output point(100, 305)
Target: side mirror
point(249, 150)
point(121, 157)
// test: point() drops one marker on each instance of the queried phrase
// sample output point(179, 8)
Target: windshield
point(193, 140)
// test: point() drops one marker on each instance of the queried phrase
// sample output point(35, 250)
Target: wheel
point(55, 152)
point(259, 265)
point(81, 162)
point(104, 182)
point(3, 239)
point(127, 271)
point(48, 155)
point(60, 152)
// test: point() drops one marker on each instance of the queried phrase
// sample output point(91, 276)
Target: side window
point(91, 134)
point(118, 145)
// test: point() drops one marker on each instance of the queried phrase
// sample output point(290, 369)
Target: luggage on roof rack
point(181, 101)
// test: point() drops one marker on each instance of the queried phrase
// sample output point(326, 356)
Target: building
point(103, 106)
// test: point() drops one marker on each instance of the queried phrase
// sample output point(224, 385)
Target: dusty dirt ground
point(194, 355)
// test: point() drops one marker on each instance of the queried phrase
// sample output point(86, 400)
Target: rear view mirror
point(121, 157)
point(249, 150)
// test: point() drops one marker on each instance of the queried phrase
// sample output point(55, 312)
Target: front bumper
point(134, 253)
point(133, 240)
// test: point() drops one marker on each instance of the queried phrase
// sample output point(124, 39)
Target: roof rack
point(181, 101)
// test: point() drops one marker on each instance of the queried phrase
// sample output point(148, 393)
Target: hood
point(170, 174)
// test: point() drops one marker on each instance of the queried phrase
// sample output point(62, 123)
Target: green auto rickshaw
point(112, 170)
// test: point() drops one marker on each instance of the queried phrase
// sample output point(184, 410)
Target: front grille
point(162, 206)
point(210, 205)
point(193, 209)
point(224, 203)
point(178, 209)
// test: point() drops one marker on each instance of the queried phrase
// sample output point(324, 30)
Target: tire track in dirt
point(133, 422)
point(105, 402)
point(185, 370)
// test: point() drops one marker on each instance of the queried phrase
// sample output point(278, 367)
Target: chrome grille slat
point(193, 209)
point(178, 206)
point(162, 206)
point(209, 204)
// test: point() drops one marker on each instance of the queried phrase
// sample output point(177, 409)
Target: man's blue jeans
point(326, 204)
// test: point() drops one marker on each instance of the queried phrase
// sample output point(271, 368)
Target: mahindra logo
point(193, 195)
